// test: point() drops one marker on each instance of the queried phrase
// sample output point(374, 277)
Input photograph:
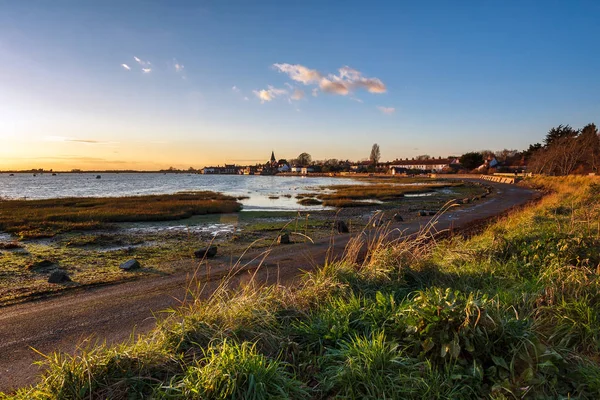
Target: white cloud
point(127, 67)
point(269, 94)
point(142, 62)
point(298, 94)
point(146, 70)
point(179, 67)
point(299, 73)
point(329, 86)
point(315, 92)
point(356, 99)
point(246, 98)
point(386, 110)
point(235, 89)
point(348, 79)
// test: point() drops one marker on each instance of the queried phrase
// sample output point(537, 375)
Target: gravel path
point(112, 313)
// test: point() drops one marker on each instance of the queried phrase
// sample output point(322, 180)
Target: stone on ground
point(207, 252)
point(341, 227)
point(130, 265)
point(59, 276)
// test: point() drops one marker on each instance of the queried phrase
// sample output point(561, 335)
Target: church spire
point(273, 157)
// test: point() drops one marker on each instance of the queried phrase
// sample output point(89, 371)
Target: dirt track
point(112, 313)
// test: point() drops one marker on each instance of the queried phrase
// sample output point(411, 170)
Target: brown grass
point(309, 202)
point(46, 218)
point(383, 192)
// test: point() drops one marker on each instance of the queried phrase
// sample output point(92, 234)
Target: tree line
point(566, 151)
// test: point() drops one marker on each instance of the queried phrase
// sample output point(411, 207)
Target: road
point(112, 313)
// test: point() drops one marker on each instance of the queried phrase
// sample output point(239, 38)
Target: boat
point(98, 177)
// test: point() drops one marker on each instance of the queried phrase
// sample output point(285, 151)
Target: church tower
point(273, 160)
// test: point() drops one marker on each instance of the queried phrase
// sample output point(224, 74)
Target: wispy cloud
point(142, 62)
point(235, 89)
point(315, 92)
point(298, 94)
point(386, 110)
point(179, 67)
point(299, 73)
point(266, 95)
point(127, 67)
point(346, 81)
point(75, 140)
point(89, 141)
point(146, 70)
point(356, 99)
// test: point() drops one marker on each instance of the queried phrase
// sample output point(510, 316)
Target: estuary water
point(258, 188)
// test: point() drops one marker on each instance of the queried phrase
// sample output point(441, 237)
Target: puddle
point(210, 228)
point(5, 237)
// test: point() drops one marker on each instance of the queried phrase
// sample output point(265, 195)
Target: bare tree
point(375, 154)
point(590, 145)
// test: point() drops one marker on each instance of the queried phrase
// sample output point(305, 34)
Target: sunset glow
point(203, 84)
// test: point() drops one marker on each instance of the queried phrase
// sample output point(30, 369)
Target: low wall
point(499, 179)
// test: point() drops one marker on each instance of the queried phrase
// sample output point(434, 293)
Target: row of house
point(429, 165)
point(271, 167)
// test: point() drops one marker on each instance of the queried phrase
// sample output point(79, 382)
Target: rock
point(422, 213)
point(466, 201)
point(283, 239)
point(341, 227)
point(398, 218)
point(59, 276)
point(208, 252)
point(129, 265)
point(483, 196)
point(43, 264)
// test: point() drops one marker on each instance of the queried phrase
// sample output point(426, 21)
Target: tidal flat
point(88, 238)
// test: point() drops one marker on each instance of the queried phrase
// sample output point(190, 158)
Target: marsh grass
point(45, 218)
point(380, 191)
point(506, 314)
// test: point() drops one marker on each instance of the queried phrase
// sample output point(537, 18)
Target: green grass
point(507, 314)
point(45, 218)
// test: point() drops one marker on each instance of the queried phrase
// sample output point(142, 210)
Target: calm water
point(258, 188)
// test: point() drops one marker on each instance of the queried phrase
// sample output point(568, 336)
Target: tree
point(559, 132)
point(505, 155)
point(471, 160)
point(531, 150)
point(487, 154)
point(423, 157)
point(304, 159)
point(590, 143)
point(375, 154)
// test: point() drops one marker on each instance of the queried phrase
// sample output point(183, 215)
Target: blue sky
point(228, 81)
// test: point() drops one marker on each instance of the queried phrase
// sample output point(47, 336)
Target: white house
point(431, 164)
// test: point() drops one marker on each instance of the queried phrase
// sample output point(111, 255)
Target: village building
point(228, 169)
point(427, 165)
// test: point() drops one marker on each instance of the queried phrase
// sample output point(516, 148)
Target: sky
point(152, 84)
